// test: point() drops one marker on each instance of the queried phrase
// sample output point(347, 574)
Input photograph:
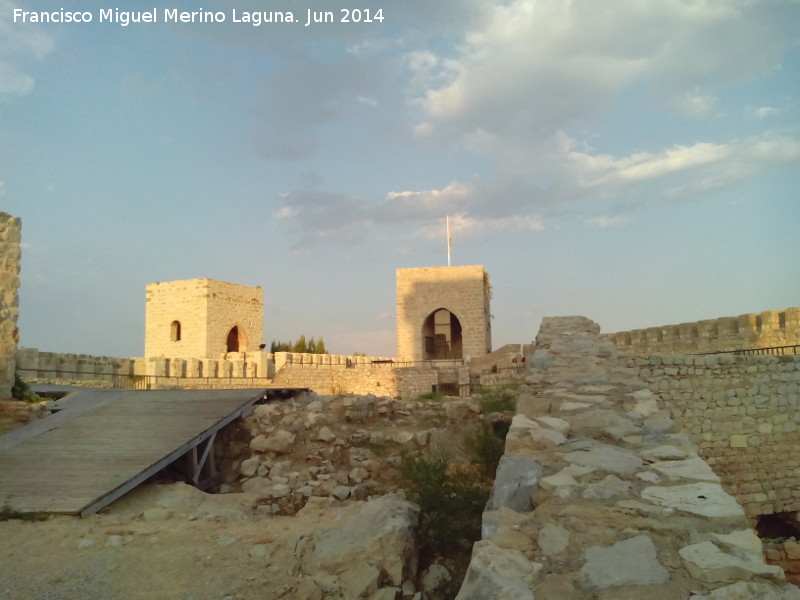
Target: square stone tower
point(443, 313)
point(202, 318)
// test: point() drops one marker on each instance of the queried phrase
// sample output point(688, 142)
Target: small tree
point(311, 346)
point(300, 345)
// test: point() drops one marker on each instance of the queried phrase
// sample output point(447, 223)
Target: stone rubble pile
point(340, 447)
point(600, 496)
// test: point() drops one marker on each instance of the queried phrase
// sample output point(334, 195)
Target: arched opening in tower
point(233, 339)
point(441, 334)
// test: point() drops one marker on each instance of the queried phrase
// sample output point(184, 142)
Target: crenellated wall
point(742, 413)
point(324, 373)
point(10, 253)
point(767, 329)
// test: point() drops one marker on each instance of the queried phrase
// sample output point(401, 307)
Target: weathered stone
point(559, 425)
point(278, 442)
point(386, 522)
point(516, 480)
point(497, 573)
point(561, 479)
point(704, 499)
point(607, 458)
point(359, 580)
point(250, 466)
point(630, 562)
point(341, 492)
point(571, 407)
point(666, 452)
point(552, 539)
point(694, 468)
point(596, 419)
point(751, 590)
point(646, 402)
point(385, 593)
point(326, 435)
point(434, 576)
point(610, 486)
point(707, 563)
point(279, 490)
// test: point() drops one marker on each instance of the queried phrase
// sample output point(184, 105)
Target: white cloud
point(696, 103)
point(535, 66)
point(608, 221)
point(18, 45)
point(466, 226)
point(710, 165)
point(764, 112)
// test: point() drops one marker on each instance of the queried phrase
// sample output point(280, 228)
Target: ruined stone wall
point(599, 495)
point(363, 380)
point(464, 291)
point(742, 413)
point(767, 329)
point(193, 318)
point(10, 253)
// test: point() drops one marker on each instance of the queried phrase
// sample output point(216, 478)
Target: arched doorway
point(233, 342)
point(441, 333)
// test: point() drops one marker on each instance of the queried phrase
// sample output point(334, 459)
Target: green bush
point(502, 398)
point(437, 396)
point(484, 445)
point(451, 498)
point(21, 391)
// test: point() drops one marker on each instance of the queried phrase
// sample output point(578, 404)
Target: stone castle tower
point(202, 318)
point(443, 313)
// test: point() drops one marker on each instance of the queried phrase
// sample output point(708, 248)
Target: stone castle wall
point(742, 413)
point(193, 318)
point(767, 329)
point(10, 254)
point(323, 373)
point(600, 495)
point(464, 291)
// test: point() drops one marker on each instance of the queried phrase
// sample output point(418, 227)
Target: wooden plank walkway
point(81, 459)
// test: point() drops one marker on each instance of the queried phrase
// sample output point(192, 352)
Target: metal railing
point(137, 382)
point(769, 351)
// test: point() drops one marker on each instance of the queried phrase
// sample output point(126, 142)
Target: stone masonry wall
point(10, 253)
point(464, 291)
point(599, 495)
point(767, 329)
point(323, 373)
point(742, 414)
point(206, 310)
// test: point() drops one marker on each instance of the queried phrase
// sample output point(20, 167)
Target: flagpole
point(449, 240)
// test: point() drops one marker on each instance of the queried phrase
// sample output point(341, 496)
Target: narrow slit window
point(175, 331)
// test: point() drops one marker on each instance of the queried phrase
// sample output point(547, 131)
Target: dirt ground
point(160, 542)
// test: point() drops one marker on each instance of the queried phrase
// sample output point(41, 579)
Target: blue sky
point(634, 162)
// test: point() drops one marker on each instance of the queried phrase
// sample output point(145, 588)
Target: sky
point(633, 161)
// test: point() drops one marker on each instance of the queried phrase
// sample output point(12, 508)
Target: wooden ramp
point(105, 443)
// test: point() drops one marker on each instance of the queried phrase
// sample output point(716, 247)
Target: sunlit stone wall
point(766, 329)
point(194, 318)
point(10, 253)
point(464, 291)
